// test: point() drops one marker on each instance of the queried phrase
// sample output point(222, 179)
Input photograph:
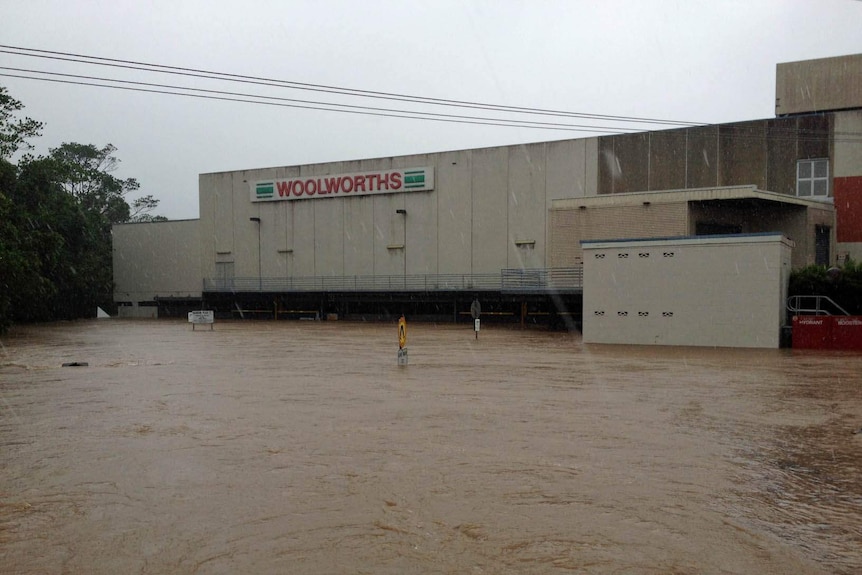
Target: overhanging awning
point(734, 194)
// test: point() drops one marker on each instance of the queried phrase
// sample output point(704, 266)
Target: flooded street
point(301, 447)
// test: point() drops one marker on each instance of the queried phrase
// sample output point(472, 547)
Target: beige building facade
point(468, 220)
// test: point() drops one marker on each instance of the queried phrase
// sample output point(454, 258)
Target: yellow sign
point(402, 333)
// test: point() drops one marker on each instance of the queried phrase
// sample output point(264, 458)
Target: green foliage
point(141, 209)
point(85, 172)
point(56, 214)
point(17, 272)
point(844, 288)
point(61, 242)
point(13, 131)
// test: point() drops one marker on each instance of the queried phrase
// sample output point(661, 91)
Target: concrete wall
point(158, 259)
point(488, 212)
point(798, 223)
point(569, 226)
point(847, 178)
point(711, 291)
point(817, 85)
point(761, 153)
point(734, 209)
point(496, 208)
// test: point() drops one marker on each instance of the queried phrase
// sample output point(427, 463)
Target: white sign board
point(204, 316)
point(354, 184)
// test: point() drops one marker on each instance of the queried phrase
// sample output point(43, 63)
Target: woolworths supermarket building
point(424, 234)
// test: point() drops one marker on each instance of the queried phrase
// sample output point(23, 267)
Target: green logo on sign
point(414, 179)
point(264, 190)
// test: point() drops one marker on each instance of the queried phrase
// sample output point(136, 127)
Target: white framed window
point(812, 178)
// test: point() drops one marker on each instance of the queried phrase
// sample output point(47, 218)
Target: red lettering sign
point(332, 185)
point(372, 182)
point(827, 333)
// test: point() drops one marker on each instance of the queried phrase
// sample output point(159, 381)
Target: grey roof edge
point(687, 195)
point(688, 238)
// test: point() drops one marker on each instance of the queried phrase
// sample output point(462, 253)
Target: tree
point(65, 245)
point(13, 131)
point(85, 172)
point(19, 272)
point(56, 214)
point(141, 208)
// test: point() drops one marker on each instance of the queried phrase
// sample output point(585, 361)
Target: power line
point(722, 131)
point(208, 74)
point(412, 113)
point(379, 114)
point(775, 133)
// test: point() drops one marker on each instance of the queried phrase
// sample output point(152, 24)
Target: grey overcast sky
point(704, 61)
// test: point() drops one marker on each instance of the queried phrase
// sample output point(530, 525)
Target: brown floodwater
point(302, 447)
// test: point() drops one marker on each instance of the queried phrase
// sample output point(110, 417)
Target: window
point(812, 178)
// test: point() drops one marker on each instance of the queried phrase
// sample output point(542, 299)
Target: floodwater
point(302, 447)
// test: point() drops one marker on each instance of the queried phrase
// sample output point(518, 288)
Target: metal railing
point(551, 279)
point(813, 305)
point(508, 280)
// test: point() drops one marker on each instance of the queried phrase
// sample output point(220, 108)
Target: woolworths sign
point(344, 185)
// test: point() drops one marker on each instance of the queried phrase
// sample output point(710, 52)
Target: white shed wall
point(711, 291)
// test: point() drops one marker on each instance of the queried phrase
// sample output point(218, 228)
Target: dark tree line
point(56, 213)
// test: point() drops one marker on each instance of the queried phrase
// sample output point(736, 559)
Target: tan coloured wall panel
point(490, 204)
point(568, 227)
point(781, 156)
point(157, 259)
point(667, 154)
point(567, 169)
point(328, 237)
point(527, 207)
point(454, 197)
point(624, 163)
point(813, 136)
point(591, 168)
point(701, 170)
point(742, 154)
point(358, 236)
point(817, 85)
point(419, 225)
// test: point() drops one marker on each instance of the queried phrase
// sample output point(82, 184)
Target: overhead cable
point(214, 75)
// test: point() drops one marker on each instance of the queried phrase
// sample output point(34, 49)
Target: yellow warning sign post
point(402, 341)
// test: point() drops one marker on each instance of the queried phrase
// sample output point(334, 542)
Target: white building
point(423, 233)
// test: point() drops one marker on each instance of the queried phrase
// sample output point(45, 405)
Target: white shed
point(722, 291)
